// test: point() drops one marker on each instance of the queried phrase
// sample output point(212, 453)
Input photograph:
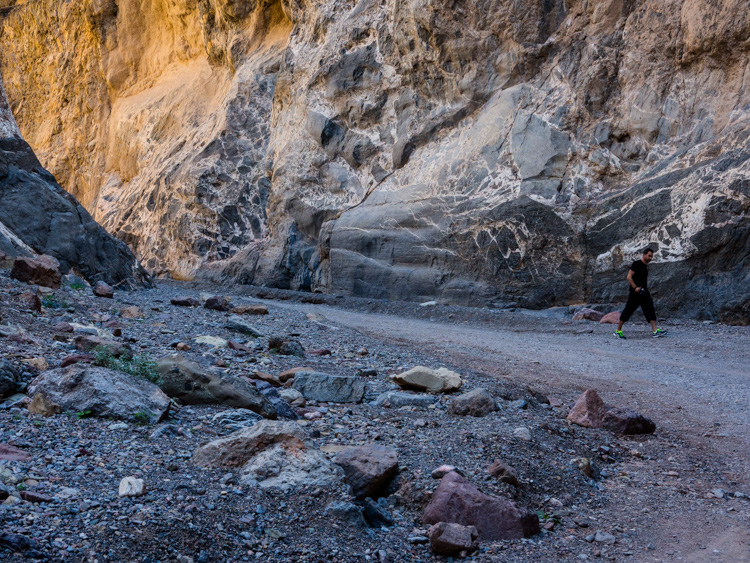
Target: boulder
point(459, 501)
point(317, 386)
point(88, 343)
point(588, 315)
point(218, 303)
point(103, 289)
point(367, 469)
point(477, 402)
point(283, 409)
point(238, 324)
point(131, 487)
point(185, 301)
point(285, 346)
point(626, 421)
point(503, 473)
point(421, 378)
point(102, 392)
point(448, 538)
point(10, 377)
point(588, 411)
point(398, 399)
point(192, 384)
point(43, 270)
point(271, 454)
point(611, 318)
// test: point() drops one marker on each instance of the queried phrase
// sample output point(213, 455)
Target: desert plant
point(140, 365)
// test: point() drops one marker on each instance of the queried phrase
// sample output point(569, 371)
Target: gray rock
point(101, 391)
point(420, 378)
point(397, 399)
point(477, 402)
point(317, 386)
point(10, 378)
point(347, 512)
point(283, 409)
point(192, 384)
point(238, 324)
point(271, 454)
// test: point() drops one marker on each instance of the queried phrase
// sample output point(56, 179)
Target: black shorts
point(642, 300)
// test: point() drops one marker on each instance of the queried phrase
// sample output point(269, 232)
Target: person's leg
point(629, 309)
point(647, 305)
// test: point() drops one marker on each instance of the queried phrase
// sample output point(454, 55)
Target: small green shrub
point(142, 418)
point(51, 301)
point(77, 286)
point(83, 414)
point(140, 365)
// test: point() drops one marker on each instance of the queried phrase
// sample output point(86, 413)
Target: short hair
point(647, 250)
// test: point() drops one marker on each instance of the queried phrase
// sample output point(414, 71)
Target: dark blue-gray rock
point(101, 392)
point(238, 324)
point(397, 399)
point(286, 346)
point(626, 421)
point(376, 515)
point(10, 378)
point(477, 402)
point(347, 513)
point(194, 384)
point(317, 386)
point(283, 409)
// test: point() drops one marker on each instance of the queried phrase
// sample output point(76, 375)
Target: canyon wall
point(477, 151)
point(38, 217)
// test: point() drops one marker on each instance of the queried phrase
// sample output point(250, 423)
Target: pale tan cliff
point(472, 151)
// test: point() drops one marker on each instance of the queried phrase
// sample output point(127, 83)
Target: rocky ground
point(659, 497)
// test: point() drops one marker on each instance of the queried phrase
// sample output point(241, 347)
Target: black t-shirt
point(640, 277)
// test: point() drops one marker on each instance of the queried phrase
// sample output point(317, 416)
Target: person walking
point(639, 295)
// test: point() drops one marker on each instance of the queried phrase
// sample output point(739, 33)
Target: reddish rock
point(626, 421)
point(318, 352)
point(289, 374)
point(31, 496)
point(12, 453)
point(30, 301)
point(75, 359)
point(459, 501)
point(87, 343)
point(102, 289)
point(250, 310)
point(588, 315)
point(267, 377)
point(237, 346)
point(185, 301)
point(451, 539)
point(367, 469)
point(588, 411)
point(183, 347)
point(611, 318)
point(503, 472)
point(218, 303)
point(42, 270)
point(63, 327)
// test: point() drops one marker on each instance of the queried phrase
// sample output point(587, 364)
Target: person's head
point(648, 255)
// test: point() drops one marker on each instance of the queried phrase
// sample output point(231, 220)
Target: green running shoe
point(659, 332)
point(619, 334)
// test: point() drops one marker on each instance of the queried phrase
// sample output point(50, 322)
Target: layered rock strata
point(38, 217)
point(473, 152)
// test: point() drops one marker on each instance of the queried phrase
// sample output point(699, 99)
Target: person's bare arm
point(631, 273)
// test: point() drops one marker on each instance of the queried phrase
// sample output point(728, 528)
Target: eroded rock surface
point(498, 152)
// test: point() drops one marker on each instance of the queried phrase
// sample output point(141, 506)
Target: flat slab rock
point(317, 386)
point(367, 469)
point(420, 378)
point(459, 501)
point(398, 399)
point(101, 391)
point(271, 454)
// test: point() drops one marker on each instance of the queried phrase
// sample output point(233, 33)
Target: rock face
point(100, 391)
point(37, 217)
point(458, 501)
point(271, 454)
point(194, 385)
point(495, 152)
